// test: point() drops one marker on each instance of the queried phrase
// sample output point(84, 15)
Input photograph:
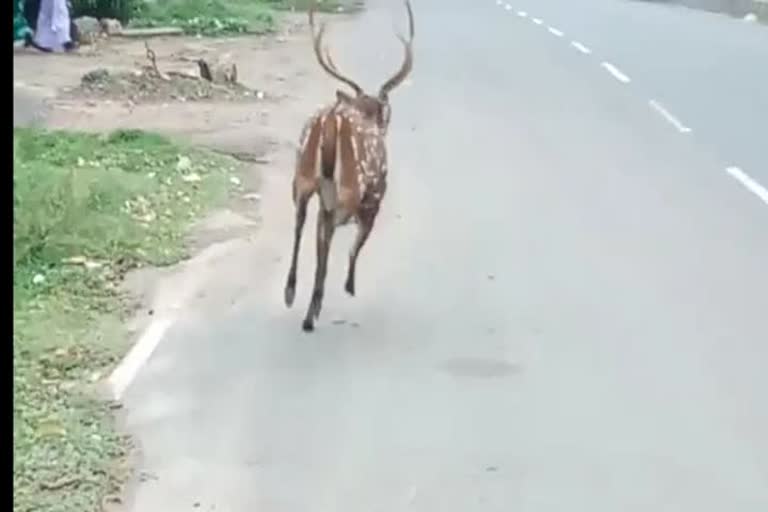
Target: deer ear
point(343, 97)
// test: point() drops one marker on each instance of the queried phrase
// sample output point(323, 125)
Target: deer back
point(345, 143)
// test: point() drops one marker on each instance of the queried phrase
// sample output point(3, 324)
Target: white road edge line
point(537, 21)
point(659, 108)
point(749, 183)
point(122, 376)
point(522, 14)
point(615, 72)
point(583, 49)
point(555, 32)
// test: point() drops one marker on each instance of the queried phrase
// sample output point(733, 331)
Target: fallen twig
point(153, 60)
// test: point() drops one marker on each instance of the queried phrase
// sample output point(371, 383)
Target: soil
point(147, 86)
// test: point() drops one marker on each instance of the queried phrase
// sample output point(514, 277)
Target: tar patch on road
point(479, 368)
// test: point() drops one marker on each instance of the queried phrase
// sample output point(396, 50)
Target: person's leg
point(31, 11)
point(74, 33)
point(53, 25)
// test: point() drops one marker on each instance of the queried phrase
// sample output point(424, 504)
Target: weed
point(87, 207)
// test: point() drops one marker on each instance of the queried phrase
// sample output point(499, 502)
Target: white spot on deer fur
point(354, 148)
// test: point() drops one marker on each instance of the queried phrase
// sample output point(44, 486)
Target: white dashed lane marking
point(751, 185)
point(664, 113)
point(129, 367)
point(615, 72)
point(735, 172)
point(555, 32)
point(583, 49)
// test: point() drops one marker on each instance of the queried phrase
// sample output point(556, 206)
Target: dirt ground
point(277, 65)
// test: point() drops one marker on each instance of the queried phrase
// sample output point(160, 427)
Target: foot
point(308, 325)
point(290, 294)
point(349, 287)
point(29, 41)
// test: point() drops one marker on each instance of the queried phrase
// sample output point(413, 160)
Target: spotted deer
point(342, 157)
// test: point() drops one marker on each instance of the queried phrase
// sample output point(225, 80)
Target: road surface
point(562, 307)
point(28, 106)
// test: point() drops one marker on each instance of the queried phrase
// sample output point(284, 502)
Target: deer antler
point(328, 66)
point(405, 69)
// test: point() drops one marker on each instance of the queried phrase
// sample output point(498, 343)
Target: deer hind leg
point(325, 217)
point(325, 229)
point(301, 200)
point(366, 218)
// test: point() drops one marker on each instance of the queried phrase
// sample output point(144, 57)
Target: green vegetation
point(204, 17)
point(87, 208)
point(208, 17)
point(122, 10)
point(224, 17)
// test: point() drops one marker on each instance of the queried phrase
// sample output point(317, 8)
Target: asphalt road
point(562, 307)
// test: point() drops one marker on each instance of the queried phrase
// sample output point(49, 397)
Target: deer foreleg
point(301, 216)
point(366, 219)
point(325, 229)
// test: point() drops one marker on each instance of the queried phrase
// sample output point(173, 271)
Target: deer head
point(375, 108)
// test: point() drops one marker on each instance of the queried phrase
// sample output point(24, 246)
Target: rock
point(95, 76)
point(88, 29)
point(152, 32)
point(223, 71)
point(111, 26)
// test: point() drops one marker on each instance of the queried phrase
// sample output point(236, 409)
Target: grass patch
point(226, 17)
point(208, 17)
point(323, 6)
point(86, 208)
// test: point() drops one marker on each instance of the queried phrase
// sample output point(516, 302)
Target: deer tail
point(328, 152)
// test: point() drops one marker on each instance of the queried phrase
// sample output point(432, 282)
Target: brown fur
point(342, 158)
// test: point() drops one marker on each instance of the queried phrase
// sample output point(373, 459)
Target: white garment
point(53, 24)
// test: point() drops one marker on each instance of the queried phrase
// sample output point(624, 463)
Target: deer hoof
point(290, 294)
point(349, 287)
point(307, 325)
